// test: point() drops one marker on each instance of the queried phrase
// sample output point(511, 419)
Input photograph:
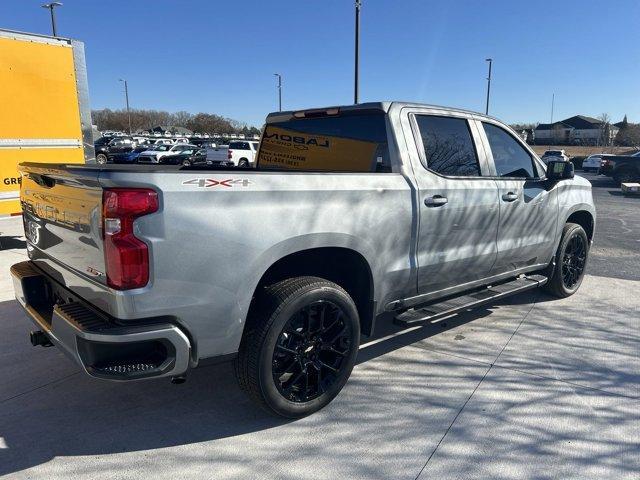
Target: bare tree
point(108, 119)
point(605, 129)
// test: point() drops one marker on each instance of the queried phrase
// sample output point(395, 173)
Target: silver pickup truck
point(352, 215)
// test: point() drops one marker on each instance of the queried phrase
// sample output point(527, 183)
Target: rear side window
point(350, 142)
point(448, 146)
point(239, 146)
point(509, 157)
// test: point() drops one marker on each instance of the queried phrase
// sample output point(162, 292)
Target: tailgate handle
point(42, 180)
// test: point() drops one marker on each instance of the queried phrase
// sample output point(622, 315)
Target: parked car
point(242, 153)
point(284, 272)
point(161, 141)
point(103, 140)
point(622, 168)
point(128, 157)
point(592, 162)
point(117, 144)
point(158, 151)
point(554, 155)
point(186, 157)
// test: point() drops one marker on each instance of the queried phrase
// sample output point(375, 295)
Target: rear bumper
point(94, 340)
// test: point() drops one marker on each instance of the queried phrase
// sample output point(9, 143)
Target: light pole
point(279, 91)
point(486, 111)
point(126, 97)
point(357, 53)
point(553, 136)
point(51, 6)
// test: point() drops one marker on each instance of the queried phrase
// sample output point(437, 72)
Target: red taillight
point(126, 257)
point(229, 153)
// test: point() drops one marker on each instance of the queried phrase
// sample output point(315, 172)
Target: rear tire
point(243, 163)
point(570, 262)
point(299, 346)
point(625, 175)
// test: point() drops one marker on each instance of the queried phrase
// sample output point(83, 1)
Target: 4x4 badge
point(212, 182)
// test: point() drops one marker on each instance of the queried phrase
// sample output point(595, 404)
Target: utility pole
point(126, 97)
point(279, 91)
point(552, 134)
point(51, 6)
point(486, 110)
point(357, 53)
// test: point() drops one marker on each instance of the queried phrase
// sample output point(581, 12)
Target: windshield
point(349, 143)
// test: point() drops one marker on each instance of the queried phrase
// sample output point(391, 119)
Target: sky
point(220, 56)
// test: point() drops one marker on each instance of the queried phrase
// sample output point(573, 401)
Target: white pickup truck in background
point(242, 153)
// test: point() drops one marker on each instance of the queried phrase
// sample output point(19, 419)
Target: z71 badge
point(213, 182)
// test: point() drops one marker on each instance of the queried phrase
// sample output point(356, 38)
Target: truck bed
point(215, 233)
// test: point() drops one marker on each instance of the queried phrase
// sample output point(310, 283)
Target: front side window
point(448, 146)
point(510, 158)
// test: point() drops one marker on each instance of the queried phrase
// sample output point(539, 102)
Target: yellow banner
point(292, 150)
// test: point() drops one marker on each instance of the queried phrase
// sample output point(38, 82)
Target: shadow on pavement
point(82, 416)
point(12, 243)
point(85, 416)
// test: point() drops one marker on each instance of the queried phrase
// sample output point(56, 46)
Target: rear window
point(239, 146)
point(346, 143)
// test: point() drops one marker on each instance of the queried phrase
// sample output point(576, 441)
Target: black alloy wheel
point(566, 271)
point(574, 260)
point(299, 345)
point(310, 352)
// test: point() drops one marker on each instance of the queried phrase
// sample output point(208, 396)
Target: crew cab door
point(458, 207)
point(528, 211)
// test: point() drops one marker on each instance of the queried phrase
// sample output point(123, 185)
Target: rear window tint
point(346, 143)
point(239, 146)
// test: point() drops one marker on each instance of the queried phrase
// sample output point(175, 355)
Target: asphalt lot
point(531, 387)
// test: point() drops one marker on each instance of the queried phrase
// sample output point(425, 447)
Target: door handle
point(435, 201)
point(510, 197)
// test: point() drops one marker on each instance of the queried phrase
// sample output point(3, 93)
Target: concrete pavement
point(531, 387)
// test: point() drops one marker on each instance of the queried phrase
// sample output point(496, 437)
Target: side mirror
point(558, 170)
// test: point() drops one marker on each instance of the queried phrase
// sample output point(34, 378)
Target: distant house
point(591, 131)
point(553, 133)
point(576, 130)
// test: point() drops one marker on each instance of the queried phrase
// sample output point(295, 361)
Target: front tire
point(299, 346)
point(570, 262)
point(101, 158)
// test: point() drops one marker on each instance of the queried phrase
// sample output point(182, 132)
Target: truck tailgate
point(62, 217)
